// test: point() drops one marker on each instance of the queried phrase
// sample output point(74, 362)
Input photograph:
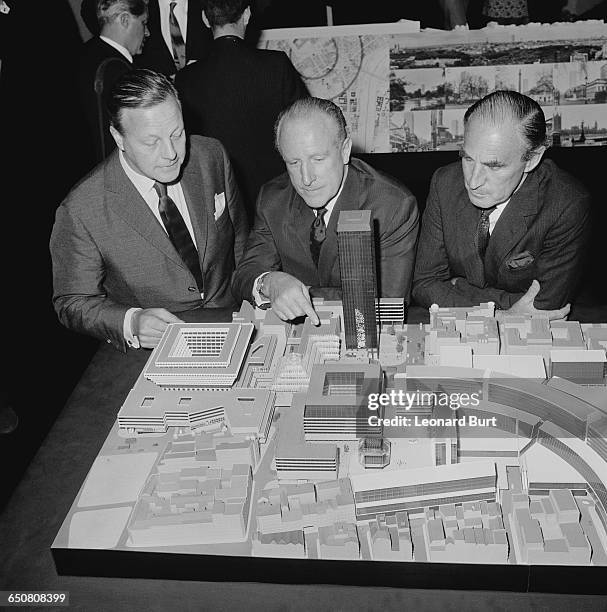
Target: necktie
point(318, 233)
point(178, 232)
point(176, 38)
point(482, 231)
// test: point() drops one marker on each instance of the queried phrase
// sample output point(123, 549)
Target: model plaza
point(469, 439)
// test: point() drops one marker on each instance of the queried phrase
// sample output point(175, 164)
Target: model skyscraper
point(358, 278)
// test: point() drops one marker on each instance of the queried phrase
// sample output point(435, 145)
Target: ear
point(536, 157)
point(117, 136)
point(206, 21)
point(346, 148)
point(246, 16)
point(124, 19)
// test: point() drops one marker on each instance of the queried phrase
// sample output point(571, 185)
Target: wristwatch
point(259, 285)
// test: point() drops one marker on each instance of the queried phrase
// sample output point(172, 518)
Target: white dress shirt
point(145, 187)
point(118, 47)
point(181, 14)
point(495, 215)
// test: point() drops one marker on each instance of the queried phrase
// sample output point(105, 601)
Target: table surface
point(37, 508)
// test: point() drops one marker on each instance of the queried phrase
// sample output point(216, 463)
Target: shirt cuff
point(127, 332)
point(259, 300)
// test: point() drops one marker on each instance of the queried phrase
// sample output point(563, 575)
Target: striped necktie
point(482, 231)
point(318, 233)
point(176, 39)
point(178, 232)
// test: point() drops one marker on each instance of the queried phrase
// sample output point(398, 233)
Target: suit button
point(192, 289)
point(109, 341)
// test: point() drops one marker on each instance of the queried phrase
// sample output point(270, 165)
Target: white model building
point(194, 355)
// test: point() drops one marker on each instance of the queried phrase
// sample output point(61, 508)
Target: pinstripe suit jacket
point(280, 238)
point(110, 252)
point(541, 234)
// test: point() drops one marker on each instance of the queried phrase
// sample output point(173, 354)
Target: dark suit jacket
point(541, 234)
point(235, 95)
point(157, 56)
point(110, 252)
point(94, 52)
point(280, 239)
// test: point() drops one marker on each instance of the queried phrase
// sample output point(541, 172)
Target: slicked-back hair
point(140, 88)
point(108, 10)
point(502, 105)
point(222, 12)
point(307, 107)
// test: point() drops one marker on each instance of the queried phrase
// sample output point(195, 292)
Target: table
point(33, 516)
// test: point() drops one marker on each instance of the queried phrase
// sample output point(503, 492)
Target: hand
point(289, 297)
point(525, 306)
point(149, 325)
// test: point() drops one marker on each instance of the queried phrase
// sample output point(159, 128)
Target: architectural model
point(472, 439)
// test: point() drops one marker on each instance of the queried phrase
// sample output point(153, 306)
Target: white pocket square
point(220, 204)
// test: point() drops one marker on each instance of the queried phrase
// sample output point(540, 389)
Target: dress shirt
point(181, 14)
point(495, 215)
point(118, 47)
point(145, 187)
point(259, 301)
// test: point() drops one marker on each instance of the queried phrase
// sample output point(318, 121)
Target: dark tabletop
point(36, 510)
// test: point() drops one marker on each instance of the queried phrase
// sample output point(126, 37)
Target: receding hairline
point(308, 115)
point(488, 121)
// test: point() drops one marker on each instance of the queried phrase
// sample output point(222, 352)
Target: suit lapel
point(124, 199)
point(466, 217)
point(511, 225)
point(296, 227)
point(350, 198)
point(198, 207)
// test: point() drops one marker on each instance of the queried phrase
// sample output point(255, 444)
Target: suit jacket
point(280, 238)
point(235, 95)
point(110, 252)
point(541, 234)
point(94, 52)
point(157, 56)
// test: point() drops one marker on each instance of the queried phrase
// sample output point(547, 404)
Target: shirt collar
point(118, 47)
point(143, 184)
point(331, 203)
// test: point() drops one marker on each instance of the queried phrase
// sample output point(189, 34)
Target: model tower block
point(358, 278)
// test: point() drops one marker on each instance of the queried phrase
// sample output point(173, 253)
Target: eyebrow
point(494, 163)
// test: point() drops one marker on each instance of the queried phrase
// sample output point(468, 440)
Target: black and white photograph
point(305, 305)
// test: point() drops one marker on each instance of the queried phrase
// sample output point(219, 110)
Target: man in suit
point(177, 36)
point(104, 59)
point(156, 228)
point(291, 253)
point(236, 93)
point(503, 225)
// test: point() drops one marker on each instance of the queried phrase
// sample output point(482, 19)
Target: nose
point(477, 176)
point(168, 149)
point(308, 175)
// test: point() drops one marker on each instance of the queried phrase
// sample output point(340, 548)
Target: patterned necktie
point(176, 38)
point(318, 233)
point(482, 231)
point(178, 232)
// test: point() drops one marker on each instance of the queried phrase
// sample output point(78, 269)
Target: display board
point(407, 90)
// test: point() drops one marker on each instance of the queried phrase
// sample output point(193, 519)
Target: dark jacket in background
point(96, 52)
point(235, 95)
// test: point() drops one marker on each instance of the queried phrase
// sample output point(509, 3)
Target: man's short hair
point(502, 105)
point(108, 10)
point(140, 88)
point(307, 107)
point(222, 12)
